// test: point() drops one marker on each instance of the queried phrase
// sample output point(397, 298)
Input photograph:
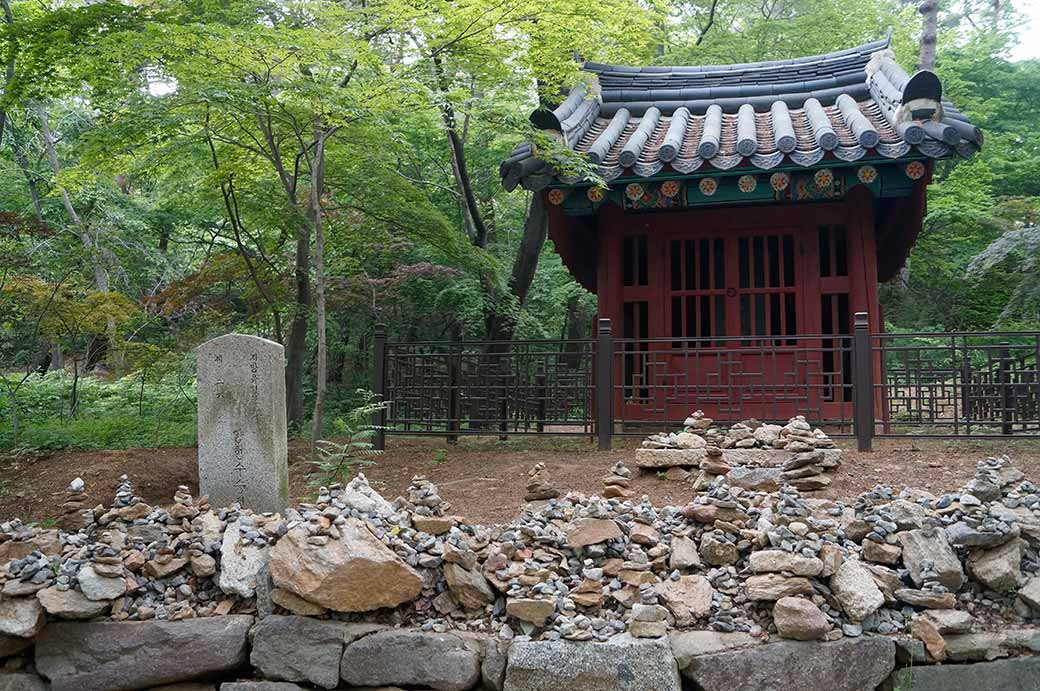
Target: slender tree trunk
point(499, 326)
point(296, 346)
point(100, 275)
point(27, 173)
point(317, 186)
point(9, 69)
point(929, 10)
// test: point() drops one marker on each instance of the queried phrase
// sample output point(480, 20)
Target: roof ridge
point(620, 70)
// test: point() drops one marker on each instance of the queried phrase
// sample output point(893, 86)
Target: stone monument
point(242, 431)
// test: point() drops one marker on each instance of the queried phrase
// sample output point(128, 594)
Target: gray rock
point(852, 664)
point(493, 668)
point(757, 479)
point(240, 563)
point(667, 458)
point(69, 604)
point(622, 664)
point(928, 544)
point(411, 658)
point(97, 587)
point(21, 681)
point(687, 645)
point(999, 569)
point(1003, 675)
point(243, 445)
point(856, 591)
point(133, 655)
point(21, 617)
point(298, 649)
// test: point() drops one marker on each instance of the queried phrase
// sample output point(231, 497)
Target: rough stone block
point(298, 649)
point(847, 665)
point(622, 664)
point(411, 658)
point(113, 656)
point(1017, 674)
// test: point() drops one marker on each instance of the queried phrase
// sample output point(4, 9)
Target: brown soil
point(482, 478)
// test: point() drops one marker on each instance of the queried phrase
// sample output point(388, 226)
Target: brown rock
point(70, 604)
point(469, 587)
point(688, 598)
point(799, 619)
point(882, 552)
point(590, 531)
point(156, 569)
point(296, 604)
point(772, 586)
point(925, 631)
point(433, 525)
point(356, 573)
point(536, 612)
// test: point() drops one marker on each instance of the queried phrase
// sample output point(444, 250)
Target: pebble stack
point(539, 487)
point(73, 511)
point(616, 484)
point(751, 454)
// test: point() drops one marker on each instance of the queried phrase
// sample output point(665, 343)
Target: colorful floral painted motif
point(556, 196)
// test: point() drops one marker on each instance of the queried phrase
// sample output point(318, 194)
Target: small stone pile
point(616, 484)
point(539, 487)
point(73, 514)
point(750, 454)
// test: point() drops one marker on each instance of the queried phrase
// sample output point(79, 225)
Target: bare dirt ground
point(482, 477)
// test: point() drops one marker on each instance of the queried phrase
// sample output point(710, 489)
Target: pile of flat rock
point(750, 454)
point(947, 573)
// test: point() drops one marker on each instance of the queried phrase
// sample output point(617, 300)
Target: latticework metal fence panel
point(517, 387)
point(661, 381)
point(958, 384)
point(922, 384)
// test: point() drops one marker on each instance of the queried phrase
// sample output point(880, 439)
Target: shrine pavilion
point(746, 208)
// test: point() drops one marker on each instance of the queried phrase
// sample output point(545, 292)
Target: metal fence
point(854, 384)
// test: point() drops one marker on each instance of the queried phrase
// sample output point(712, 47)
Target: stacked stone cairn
point(750, 454)
point(953, 577)
point(74, 514)
point(539, 487)
point(616, 484)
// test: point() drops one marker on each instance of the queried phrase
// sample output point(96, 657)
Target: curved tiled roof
point(643, 121)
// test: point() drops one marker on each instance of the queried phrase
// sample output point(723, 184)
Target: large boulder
point(591, 531)
point(470, 588)
point(298, 649)
point(851, 664)
point(930, 545)
point(117, 656)
point(688, 598)
point(70, 604)
point(688, 645)
point(856, 590)
point(356, 573)
point(240, 563)
point(411, 658)
point(999, 569)
point(622, 664)
point(799, 619)
point(21, 617)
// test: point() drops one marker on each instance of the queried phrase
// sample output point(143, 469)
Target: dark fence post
point(966, 388)
point(862, 383)
point(379, 385)
point(454, 381)
point(1007, 405)
point(604, 384)
point(540, 407)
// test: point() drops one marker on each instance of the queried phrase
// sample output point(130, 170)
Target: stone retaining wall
point(285, 653)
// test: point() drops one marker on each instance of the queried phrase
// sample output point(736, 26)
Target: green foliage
point(337, 460)
point(134, 411)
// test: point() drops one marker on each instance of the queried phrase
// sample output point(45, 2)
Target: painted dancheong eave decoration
point(835, 109)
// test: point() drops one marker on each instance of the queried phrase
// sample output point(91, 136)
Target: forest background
point(173, 170)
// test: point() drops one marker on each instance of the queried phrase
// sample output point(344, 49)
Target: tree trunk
point(317, 185)
point(9, 69)
point(296, 347)
point(929, 9)
point(501, 326)
point(100, 275)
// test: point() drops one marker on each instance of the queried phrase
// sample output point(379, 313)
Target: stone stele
point(242, 431)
